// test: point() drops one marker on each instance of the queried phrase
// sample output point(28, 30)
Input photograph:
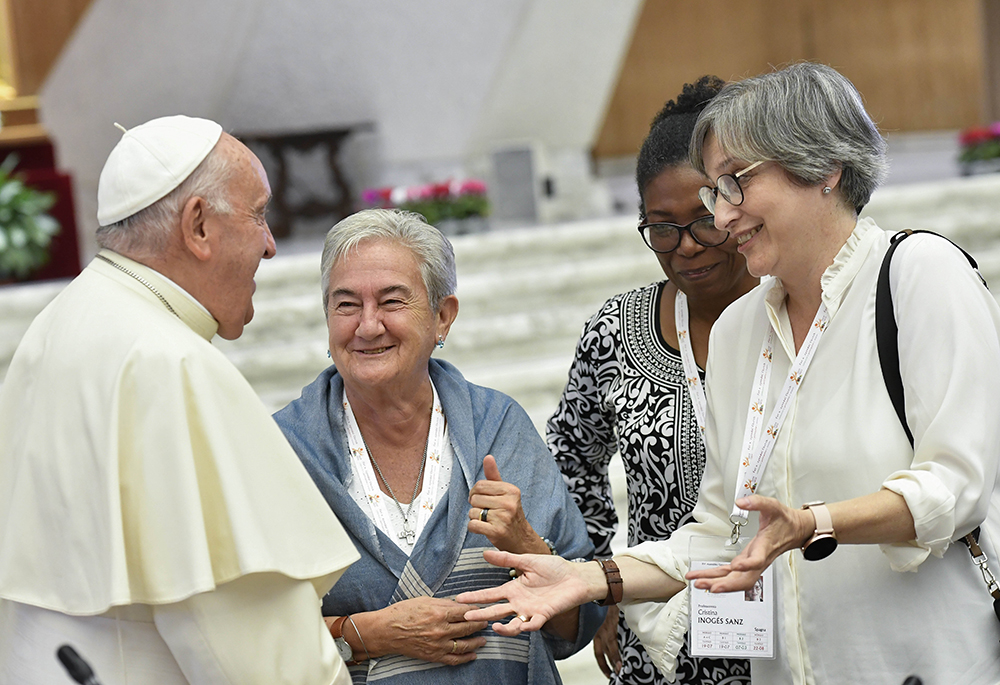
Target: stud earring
point(440, 342)
point(826, 191)
point(328, 355)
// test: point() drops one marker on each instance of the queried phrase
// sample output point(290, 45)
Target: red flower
point(975, 136)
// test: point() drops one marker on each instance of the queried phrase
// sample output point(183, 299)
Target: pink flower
point(376, 197)
point(472, 186)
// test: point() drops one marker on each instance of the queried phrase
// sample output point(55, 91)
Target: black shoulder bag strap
point(886, 332)
point(887, 342)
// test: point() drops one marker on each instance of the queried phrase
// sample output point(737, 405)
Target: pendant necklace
point(375, 486)
point(141, 280)
point(408, 531)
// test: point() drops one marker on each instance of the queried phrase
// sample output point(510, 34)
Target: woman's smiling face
point(697, 270)
point(771, 226)
point(382, 329)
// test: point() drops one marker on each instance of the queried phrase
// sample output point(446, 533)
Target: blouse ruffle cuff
point(932, 506)
point(661, 627)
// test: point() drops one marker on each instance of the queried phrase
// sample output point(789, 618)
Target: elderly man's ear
point(197, 235)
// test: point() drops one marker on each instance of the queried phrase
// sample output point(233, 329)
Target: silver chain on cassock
point(141, 280)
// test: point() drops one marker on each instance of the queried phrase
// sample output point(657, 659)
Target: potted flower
point(26, 229)
point(457, 206)
point(980, 149)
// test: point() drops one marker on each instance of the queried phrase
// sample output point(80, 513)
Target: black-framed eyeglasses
point(663, 236)
point(728, 186)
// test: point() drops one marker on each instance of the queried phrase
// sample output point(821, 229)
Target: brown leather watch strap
point(614, 578)
point(337, 627)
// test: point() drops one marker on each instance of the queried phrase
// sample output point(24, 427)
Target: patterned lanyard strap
point(361, 462)
point(756, 446)
point(695, 387)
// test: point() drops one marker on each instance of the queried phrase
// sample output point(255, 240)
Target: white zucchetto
point(150, 161)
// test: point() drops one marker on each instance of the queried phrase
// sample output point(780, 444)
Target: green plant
point(435, 201)
point(26, 229)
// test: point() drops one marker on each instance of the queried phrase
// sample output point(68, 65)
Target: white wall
point(442, 80)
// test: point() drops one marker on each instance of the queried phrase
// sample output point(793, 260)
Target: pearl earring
point(440, 342)
point(826, 191)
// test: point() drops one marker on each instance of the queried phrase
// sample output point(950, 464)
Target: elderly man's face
point(244, 241)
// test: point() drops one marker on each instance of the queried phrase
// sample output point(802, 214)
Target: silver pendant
point(407, 532)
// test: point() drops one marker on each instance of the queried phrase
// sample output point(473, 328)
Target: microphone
point(78, 669)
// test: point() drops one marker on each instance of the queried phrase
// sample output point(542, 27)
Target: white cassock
point(151, 512)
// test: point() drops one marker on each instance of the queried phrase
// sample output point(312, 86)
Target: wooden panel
point(37, 31)
point(919, 63)
point(678, 41)
point(991, 77)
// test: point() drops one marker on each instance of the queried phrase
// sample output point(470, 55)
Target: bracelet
point(357, 632)
point(614, 578)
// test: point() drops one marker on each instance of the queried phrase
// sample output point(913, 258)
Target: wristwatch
point(614, 579)
point(337, 632)
point(823, 540)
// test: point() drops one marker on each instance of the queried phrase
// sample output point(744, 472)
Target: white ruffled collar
point(837, 277)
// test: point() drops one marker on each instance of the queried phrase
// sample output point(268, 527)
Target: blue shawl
point(447, 558)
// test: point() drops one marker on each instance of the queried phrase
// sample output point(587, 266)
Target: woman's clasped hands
point(426, 628)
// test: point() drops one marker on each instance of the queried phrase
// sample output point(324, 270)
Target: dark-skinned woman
point(628, 388)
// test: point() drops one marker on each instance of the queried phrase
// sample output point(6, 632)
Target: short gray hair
point(806, 117)
point(147, 232)
point(433, 251)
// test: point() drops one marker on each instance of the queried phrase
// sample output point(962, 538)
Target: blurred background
point(512, 124)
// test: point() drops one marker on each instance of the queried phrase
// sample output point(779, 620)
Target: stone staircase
point(524, 294)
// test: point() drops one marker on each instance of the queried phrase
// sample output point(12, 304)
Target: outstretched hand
point(548, 586)
point(781, 529)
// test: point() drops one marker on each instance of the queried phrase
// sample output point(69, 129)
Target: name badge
point(730, 624)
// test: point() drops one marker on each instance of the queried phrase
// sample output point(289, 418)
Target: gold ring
point(524, 619)
point(482, 515)
point(454, 646)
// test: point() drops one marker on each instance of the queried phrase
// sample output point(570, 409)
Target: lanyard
point(695, 388)
point(361, 462)
point(757, 446)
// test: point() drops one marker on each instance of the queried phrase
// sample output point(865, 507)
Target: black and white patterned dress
point(626, 391)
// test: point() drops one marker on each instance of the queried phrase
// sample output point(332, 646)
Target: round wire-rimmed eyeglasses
point(664, 237)
point(728, 186)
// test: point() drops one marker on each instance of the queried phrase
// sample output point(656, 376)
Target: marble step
point(524, 294)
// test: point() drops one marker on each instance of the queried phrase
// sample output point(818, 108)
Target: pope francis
point(151, 513)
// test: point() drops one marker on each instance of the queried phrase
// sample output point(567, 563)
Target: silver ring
point(482, 515)
point(524, 619)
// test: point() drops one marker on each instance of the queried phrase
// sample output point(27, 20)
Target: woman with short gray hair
point(424, 470)
point(792, 156)
point(434, 252)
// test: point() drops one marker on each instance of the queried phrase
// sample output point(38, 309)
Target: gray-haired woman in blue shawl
point(425, 470)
